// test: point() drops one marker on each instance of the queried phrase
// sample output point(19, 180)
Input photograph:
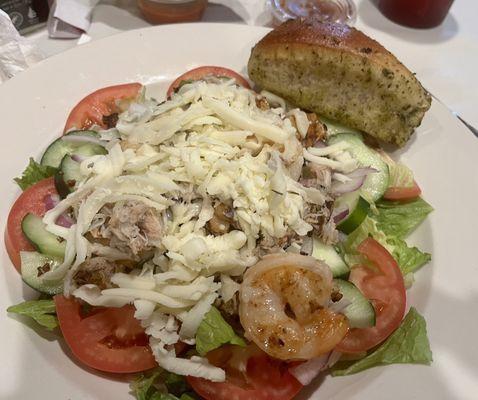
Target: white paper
point(75, 12)
point(16, 52)
point(59, 29)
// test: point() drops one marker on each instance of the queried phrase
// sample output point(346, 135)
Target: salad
point(219, 244)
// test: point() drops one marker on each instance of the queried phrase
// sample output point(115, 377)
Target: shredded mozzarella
point(209, 144)
point(274, 99)
point(228, 288)
point(301, 121)
point(239, 120)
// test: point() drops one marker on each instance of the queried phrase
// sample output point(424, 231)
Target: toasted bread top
point(310, 31)
point(350, 77)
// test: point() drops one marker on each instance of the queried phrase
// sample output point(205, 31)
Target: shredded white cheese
point(209, 144)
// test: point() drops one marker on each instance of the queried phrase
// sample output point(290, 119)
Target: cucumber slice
point(377, 183)
point(358, 210)
point(44, 241)
point(31, 261)
point(68, 176)
point(360, 311)
point(329, 255)
point(60, 147)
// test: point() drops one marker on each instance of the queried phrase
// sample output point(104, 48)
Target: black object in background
point(26, 15)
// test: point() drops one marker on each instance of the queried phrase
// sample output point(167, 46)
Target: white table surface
point(445, 58)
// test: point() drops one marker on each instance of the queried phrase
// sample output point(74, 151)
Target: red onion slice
point(357, 178)
point(340, 214)
point(306, 372)
point(361, 172)
point(333, 358)
point(352, 185)
point(64, 220)
point(78, 158)
point(51, 201)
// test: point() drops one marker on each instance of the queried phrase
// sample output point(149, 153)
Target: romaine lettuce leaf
point(400, 219)
point(408, 258)
point(34, 173)
point(142, 387)
point(163, 396)
point(213, 332)
point(368, 228)
point(188, 396)
point(175, 383)
point(161, 385)
point(400, 174)
point(42, 311)
point(408, 344)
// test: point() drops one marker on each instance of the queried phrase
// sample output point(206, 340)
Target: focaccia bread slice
point(340, 73)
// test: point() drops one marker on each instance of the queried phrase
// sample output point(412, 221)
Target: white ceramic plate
point(442, 154)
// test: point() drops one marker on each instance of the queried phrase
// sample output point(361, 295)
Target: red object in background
point(416, 13)
point(167, 11)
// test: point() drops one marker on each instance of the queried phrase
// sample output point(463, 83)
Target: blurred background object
point(16, 52)
point(443, 57)
point(343, 11)
point(26, 15)
point(416, 13)
point(70, 18)
point(171, 11)
point(60, 29)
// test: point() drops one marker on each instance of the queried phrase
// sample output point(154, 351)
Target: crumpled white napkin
point(70, 18)
point(16, 52)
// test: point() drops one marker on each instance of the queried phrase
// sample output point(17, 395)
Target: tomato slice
point(108, 339)
point(101, 103)
point(209, 70)
point(32, 200)
point(264, 378)
point(385, 288)
point(403, 193)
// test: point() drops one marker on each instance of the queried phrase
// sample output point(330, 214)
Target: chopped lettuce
point(42, 311)
point(188, 396)
point(213, 332)
point(34, 173)
point(163, 396)
point(400, 174)
point(408, 344)
point(408, 258)
point(400, 219)
point(161, 385)
point(367, 228)
point(142, 387)
point(175, 383)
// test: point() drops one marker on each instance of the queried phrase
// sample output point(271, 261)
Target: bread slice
point(340, 73)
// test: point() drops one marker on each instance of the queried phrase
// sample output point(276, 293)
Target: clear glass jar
point(170, 11)
point(341, 11)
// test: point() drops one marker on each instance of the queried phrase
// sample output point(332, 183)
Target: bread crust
point(341, 73)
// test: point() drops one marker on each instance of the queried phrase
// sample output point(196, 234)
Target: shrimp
point(283, 307)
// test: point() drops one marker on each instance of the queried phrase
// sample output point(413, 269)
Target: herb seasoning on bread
point(342, 74)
